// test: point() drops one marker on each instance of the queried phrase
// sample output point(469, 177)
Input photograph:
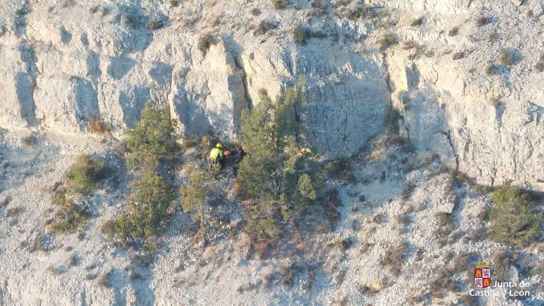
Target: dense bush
point(278, 168)
point(151, 147)
point(513, 220)
point(152, 140)
point(148, 210)
point(85, 174)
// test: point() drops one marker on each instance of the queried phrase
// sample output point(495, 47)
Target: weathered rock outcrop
point(107, 69)
point(472, 96)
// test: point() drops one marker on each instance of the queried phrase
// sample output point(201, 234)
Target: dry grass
point(98, 126)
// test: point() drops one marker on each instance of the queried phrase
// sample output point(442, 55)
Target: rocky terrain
point(430, 103)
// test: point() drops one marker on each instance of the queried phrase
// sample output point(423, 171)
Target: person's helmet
point(219, 146)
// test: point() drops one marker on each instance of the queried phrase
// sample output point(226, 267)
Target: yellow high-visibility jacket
point(216, 154)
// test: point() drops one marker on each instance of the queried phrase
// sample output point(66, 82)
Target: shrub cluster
point(194, 193)
point(82, 179)
point(148, 210)
point(278, 171)
point(513, 220)
point(151, 148)
point(153, 140)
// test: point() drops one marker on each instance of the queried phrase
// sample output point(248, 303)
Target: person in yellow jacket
point(217, 157)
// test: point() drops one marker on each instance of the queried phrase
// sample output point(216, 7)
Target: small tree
point(148, 213)
point(194, 194)
point(153, 139)
point(277, 168)
point(306, 187)
point(513, 220)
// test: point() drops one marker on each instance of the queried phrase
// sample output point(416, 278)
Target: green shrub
point(194, 193)
point(70, 218)
point(263, 221)
point(306, 187)
point(148, 211)
point(277, 167)
point(513, 220)
point(153, 139)
point(84, 175)
point(82, 178)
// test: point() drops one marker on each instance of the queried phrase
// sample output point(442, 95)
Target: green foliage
point(194, 193)
point(70, 218)
point(277, 169)
point(513, 220)
point(82, 178)
point(152, 140)
point(148, 211)
point(306, 187)
point(262, 221)
point(84, 174)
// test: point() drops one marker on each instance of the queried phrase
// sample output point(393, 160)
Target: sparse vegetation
point(394, 257)
point(493, 69)
point(513, 220)
point(459, 55)
point(148, 211)
point(194, 193)
point(84, 175)
point(98, 126)
point(30, 140)
point(82, 178)
point(151, 149)
point(156, 23)
point(340, 169)
point(509, 57)
point(502, 262)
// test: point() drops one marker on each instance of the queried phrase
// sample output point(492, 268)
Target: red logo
point(482, 277)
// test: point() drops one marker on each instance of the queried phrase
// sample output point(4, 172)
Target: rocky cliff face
point(456, 97)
